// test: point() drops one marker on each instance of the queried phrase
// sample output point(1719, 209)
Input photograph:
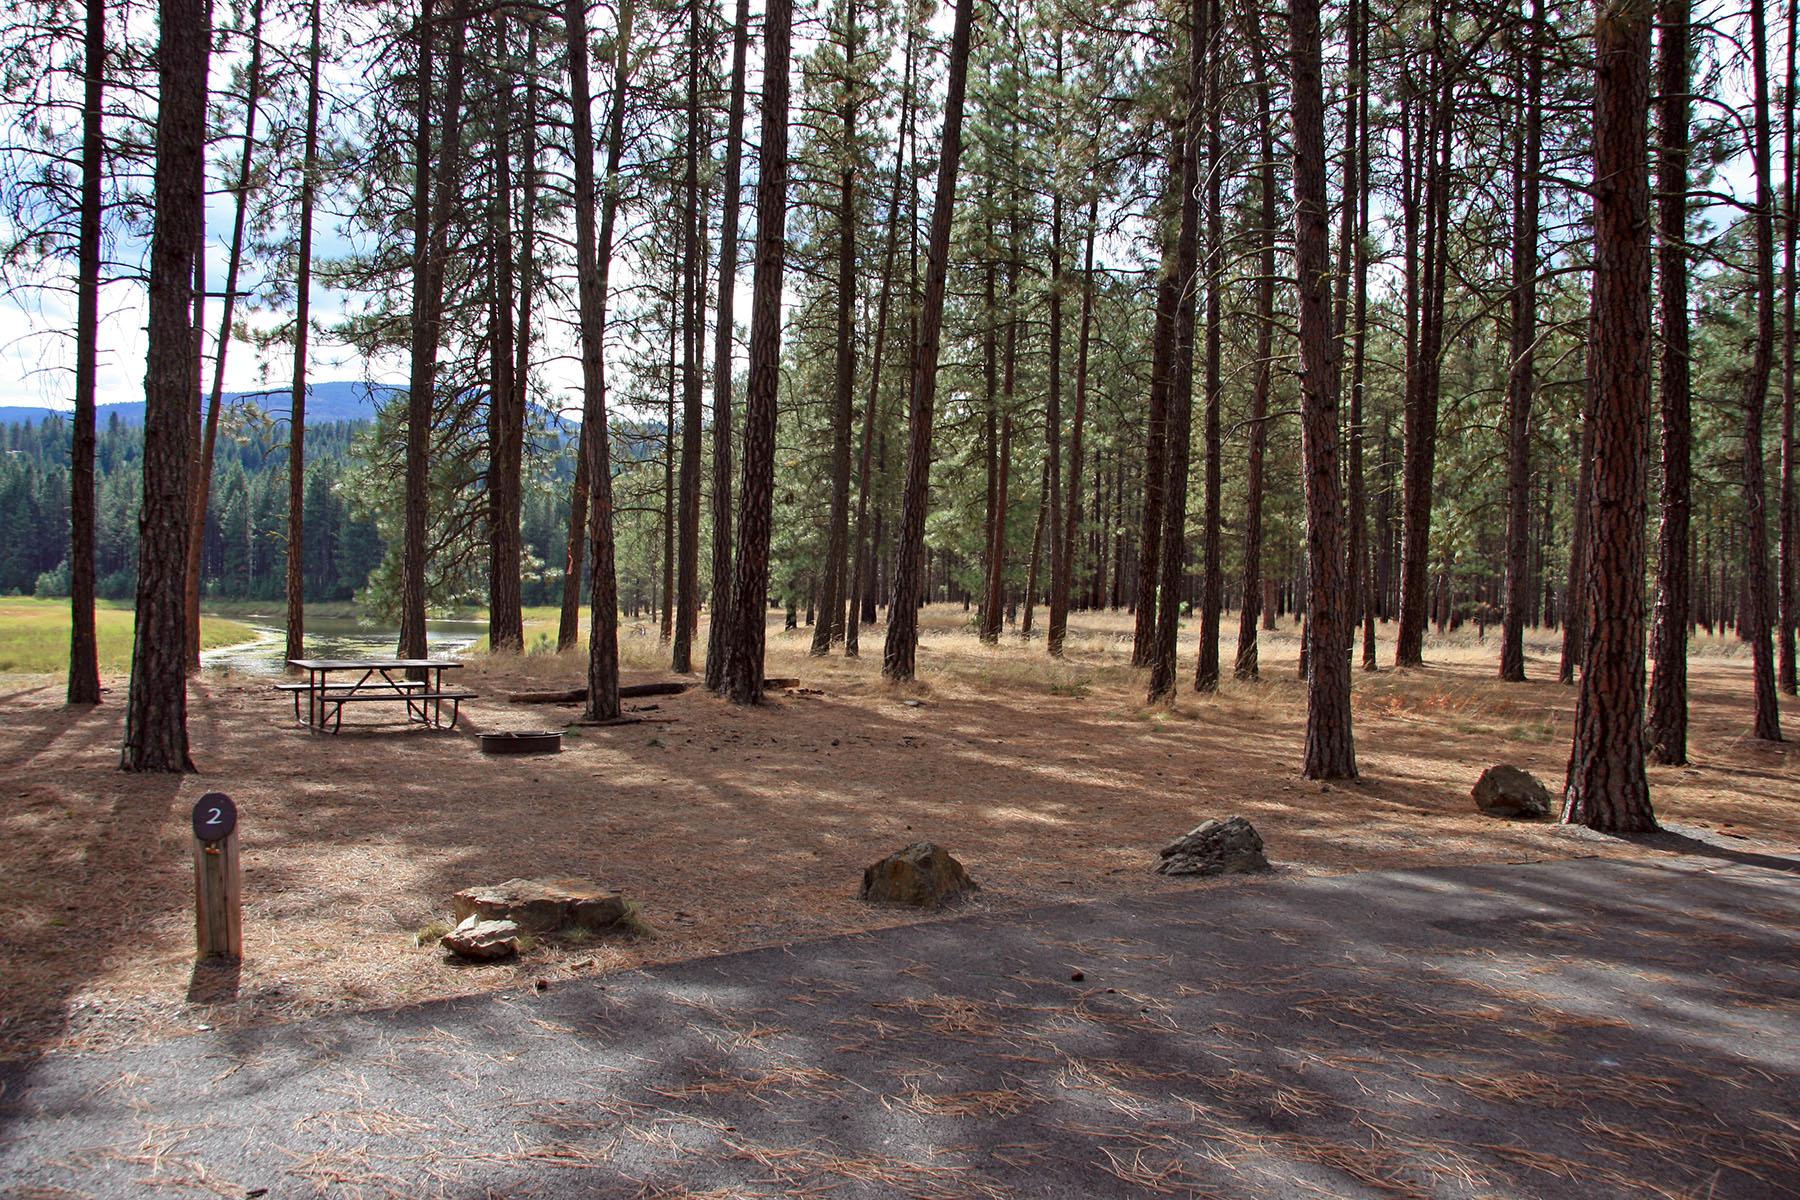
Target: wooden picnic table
point(376, 680)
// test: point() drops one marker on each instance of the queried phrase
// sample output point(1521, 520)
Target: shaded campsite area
point(741, 827)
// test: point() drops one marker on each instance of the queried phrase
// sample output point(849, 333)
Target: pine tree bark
point(202, 478)
point(156, 709)
point(84, 650)
point(1757, 595)
point(309, 170)
point(1607, 788)
point(1521, 379)
point(1056, 626)
point(1162, 361)
point(1424, 369)
point(593, 256)
point(1666, 728)
point(693, 321)
point(836, 571)
point(750, 589)
point(1330, 749)
point(1788, 563)
point(506, 428)
point(1178, 413)
point(718, 633)
point(428, 314)
point(1251, 610)
point(1212, 585)
point(1072, 518)
point(903, 616)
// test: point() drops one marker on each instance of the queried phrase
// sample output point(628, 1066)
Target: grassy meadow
point(34, 635)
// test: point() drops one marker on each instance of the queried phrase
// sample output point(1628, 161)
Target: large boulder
point(483, 941)
point(543, 905)
point(1506, 791)
point(923, 875)
point(1228, 847)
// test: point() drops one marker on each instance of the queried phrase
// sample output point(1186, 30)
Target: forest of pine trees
point(1405, 314)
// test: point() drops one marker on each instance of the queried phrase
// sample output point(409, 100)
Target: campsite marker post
point(218, 895)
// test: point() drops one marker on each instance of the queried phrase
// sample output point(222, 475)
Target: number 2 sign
point(215, 816)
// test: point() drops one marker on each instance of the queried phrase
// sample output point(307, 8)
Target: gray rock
point(1228, 847)
point(483, 941)
point(923, 875)
point(1506, 791)
point(543, 905)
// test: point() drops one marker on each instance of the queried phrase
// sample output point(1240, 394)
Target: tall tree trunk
point(836, 575)
point(903, 615)
point(862, 552)
point(1330, 749)
point(84, 650)
point(1424, 371)
point(1607, 788)
point(296, 539)
point(202, 482)
point(428, 318)
point(718, 633)
point(156, 710)
point(593, 259)
point(1252, 607)
point(1037, 551)
point(1767, 722)
point(506, 427)
point(1057, 624)
point(1666, 728)
point(1162, 361)
point(750, 589)
point(1178, 412)
point(1788, 564)
point(1521, 380)
point(1361, 568)
point(1072, 519)
point(1212, 585)
point(1575, 610)
point(693, 321)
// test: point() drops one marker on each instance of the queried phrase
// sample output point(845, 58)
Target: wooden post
point(218, 894)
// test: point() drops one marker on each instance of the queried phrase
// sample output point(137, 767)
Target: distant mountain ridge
point(345, 400)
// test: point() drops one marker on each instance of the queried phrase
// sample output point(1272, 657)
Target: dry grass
point(735, 828)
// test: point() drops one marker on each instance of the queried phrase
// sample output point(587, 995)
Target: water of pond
point(336, 638)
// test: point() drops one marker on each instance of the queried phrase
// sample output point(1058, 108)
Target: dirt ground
point(737, 828)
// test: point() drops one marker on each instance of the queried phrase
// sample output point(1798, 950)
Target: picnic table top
point(368, 664)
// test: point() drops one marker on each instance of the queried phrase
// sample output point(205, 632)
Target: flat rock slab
point(542, 905)
point(1583, 1029)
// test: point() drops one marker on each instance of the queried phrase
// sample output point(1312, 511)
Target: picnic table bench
point(376, 681)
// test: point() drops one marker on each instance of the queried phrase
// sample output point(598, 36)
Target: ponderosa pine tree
point(202, 474)
point(1607, 788)
point(84, 649)
point(1250, 606)
point(1179, 404)
point(1330, 749)
point(593, 256)
point(435, 192)
point(309, 185)
point(897, 661)
point(718, 627)
point(156, 709)
point(1522, 377)
point(743, 679)
point(1754, 627)
point(1666, 724)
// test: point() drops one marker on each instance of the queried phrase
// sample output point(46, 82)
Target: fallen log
point(631, 691)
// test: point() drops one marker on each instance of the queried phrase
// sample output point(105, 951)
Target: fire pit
point(533, 741)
